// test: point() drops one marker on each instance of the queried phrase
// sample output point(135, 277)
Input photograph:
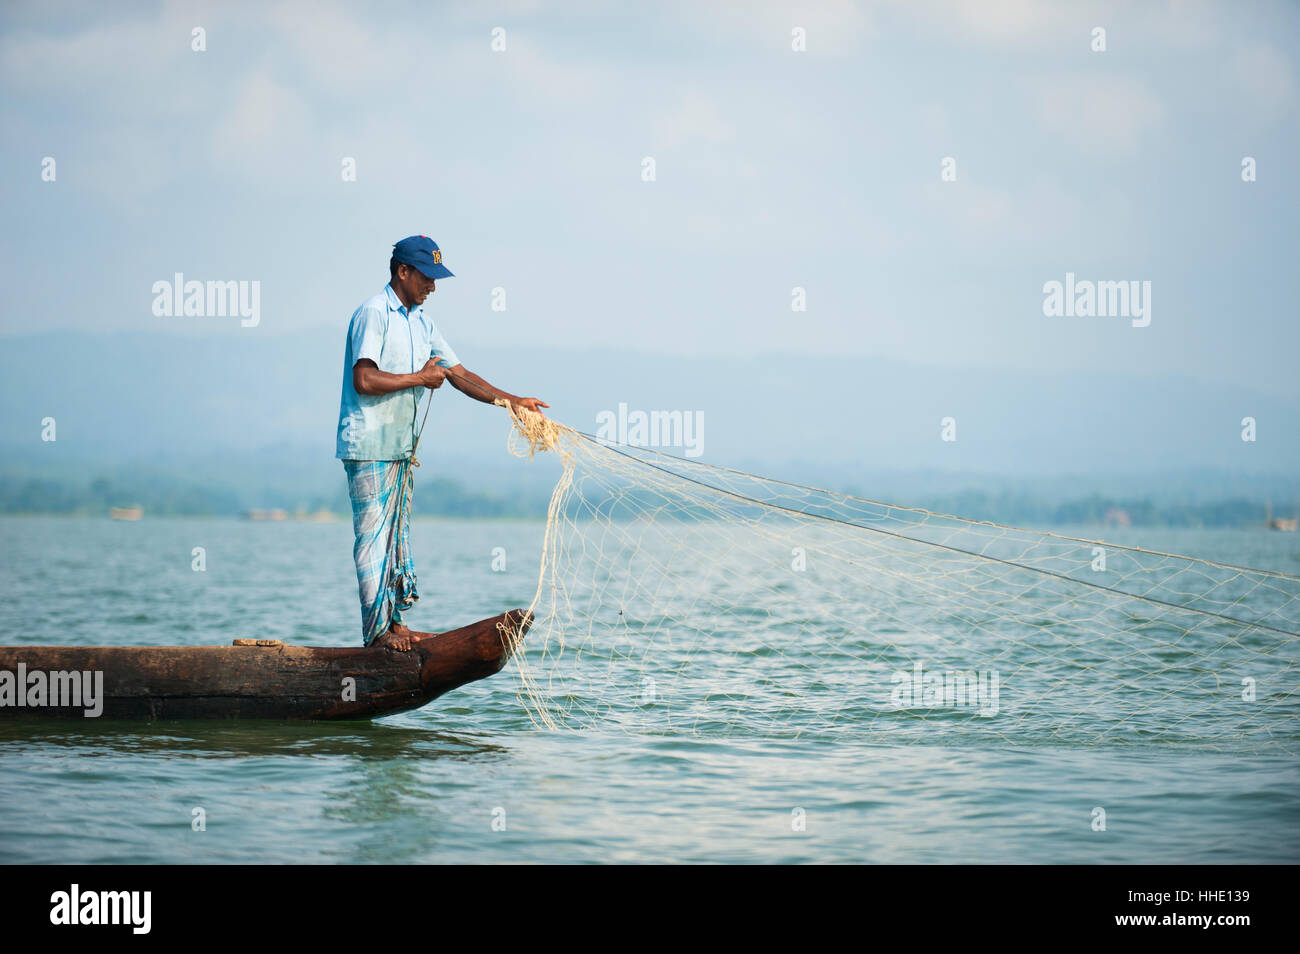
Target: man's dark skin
point(412, 288)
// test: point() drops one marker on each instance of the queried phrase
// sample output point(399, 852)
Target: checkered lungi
point(381, 519)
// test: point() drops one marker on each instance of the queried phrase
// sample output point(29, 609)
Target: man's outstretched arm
point(469, 383)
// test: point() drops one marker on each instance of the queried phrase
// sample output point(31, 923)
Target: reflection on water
point(365, 741)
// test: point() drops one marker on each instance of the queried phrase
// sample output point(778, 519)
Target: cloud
point(973, 212)
point(266, 132)
point(1100, 115)
point(696, 119)
point(135, 53)
point(997, 21)
point(551, 77)
point(1264, 79)
point(338, 52)
point(834, 27)
point(1180, 24)
point(994, 22)
point(1023, 221)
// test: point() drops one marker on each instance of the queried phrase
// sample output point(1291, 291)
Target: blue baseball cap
point(421, 252)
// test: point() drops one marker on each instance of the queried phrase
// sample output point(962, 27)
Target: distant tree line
point(169, 496)
point(447, 497)
point(1012, 508)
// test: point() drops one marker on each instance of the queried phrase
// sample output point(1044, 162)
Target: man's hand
point(368, 379)
point(432, 374)
point(533, 404)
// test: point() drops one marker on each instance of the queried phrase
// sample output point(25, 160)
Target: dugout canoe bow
point(254, 678)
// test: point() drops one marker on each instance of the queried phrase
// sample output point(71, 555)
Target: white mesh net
point(678, 595)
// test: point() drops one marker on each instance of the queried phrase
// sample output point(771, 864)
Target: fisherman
point(394, 353)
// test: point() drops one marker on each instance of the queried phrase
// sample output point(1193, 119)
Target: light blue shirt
point(383, 426)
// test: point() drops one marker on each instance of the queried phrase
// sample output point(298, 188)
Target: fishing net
point(675, 595)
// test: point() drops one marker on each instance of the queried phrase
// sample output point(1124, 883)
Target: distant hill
point(241, 420)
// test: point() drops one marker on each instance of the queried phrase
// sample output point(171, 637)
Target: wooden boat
point(258, 678)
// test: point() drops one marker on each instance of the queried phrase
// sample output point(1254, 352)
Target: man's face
point(414, 285)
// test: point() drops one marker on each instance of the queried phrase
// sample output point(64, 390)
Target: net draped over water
point(676, 595)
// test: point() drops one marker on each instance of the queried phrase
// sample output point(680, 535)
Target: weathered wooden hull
point(266, 681)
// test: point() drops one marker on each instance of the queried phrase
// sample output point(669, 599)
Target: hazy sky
point(774, 169)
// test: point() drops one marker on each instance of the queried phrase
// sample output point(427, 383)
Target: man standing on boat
point(394, 353)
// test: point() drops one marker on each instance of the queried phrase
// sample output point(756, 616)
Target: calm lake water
point(473, 777)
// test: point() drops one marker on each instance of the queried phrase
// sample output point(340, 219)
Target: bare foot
point(414, 635)
point(394, 640)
